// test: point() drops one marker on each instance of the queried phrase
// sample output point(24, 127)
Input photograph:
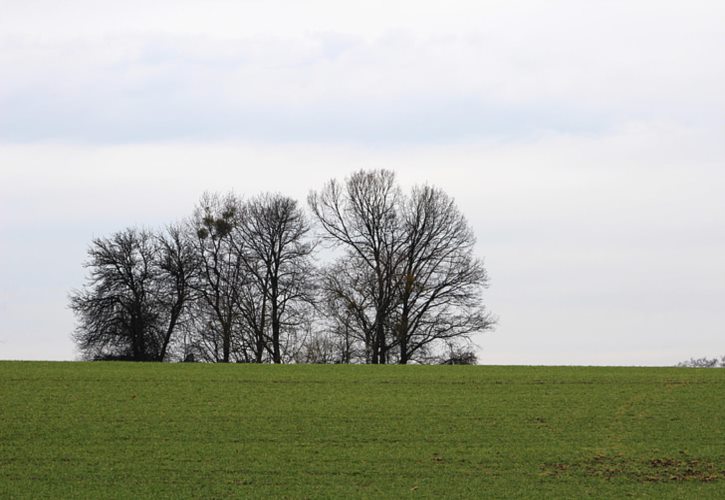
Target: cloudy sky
point(585, 141)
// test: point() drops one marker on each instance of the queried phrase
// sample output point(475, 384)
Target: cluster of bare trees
point(238, 281)
point(704, 362)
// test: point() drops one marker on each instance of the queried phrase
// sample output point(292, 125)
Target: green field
point(100, 430)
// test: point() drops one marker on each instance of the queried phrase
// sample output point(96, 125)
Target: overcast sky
point(584, 140)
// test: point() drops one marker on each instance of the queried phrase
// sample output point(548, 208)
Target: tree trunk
point(226, 342)
point(380, 340)
point(403, 338)
point(260, 334)
point(277, 356)
point(175, 313)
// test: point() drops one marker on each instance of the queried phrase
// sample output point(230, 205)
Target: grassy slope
point(127, 430)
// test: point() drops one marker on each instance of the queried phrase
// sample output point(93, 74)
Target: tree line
point(703, 362)
point(243, 280)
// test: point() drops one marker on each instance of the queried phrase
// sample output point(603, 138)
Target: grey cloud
point(320, 88)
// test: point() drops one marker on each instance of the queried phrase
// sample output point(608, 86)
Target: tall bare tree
point(178, 265)
point(277, 254)
point(220, 276)
point(408, 279)
point(440, 280)
point(360, 215)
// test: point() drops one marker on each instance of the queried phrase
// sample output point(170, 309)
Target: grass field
point(100, 430)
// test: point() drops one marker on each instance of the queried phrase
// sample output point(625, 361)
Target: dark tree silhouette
point(178, 266)
point(703, 363)
point(135, 293)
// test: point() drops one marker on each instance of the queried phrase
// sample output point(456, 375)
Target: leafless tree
point(255, 277)
point(320, 348)
point(360, 215)
point(440, 281)
point(251, 308)
point(178, 264)
point(136, 291)
point(703, 363)
point(347, 305)
point(276, 253)
point(457, 354)
point(408, 279)
point(220, 277)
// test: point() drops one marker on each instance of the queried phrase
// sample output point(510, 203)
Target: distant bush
point(459, 355)
point(703, 363)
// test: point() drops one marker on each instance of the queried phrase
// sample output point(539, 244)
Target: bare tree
point(134, 295)
point(251, 306)
point(457, 354)
point(220, 277)
point(440, 280)
point(360, 215)
point(347, 289)
point(255, 274)
point(320, 348)
point(408, 279)
point(277, 254)
point(703, 363)
point(178, 264)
